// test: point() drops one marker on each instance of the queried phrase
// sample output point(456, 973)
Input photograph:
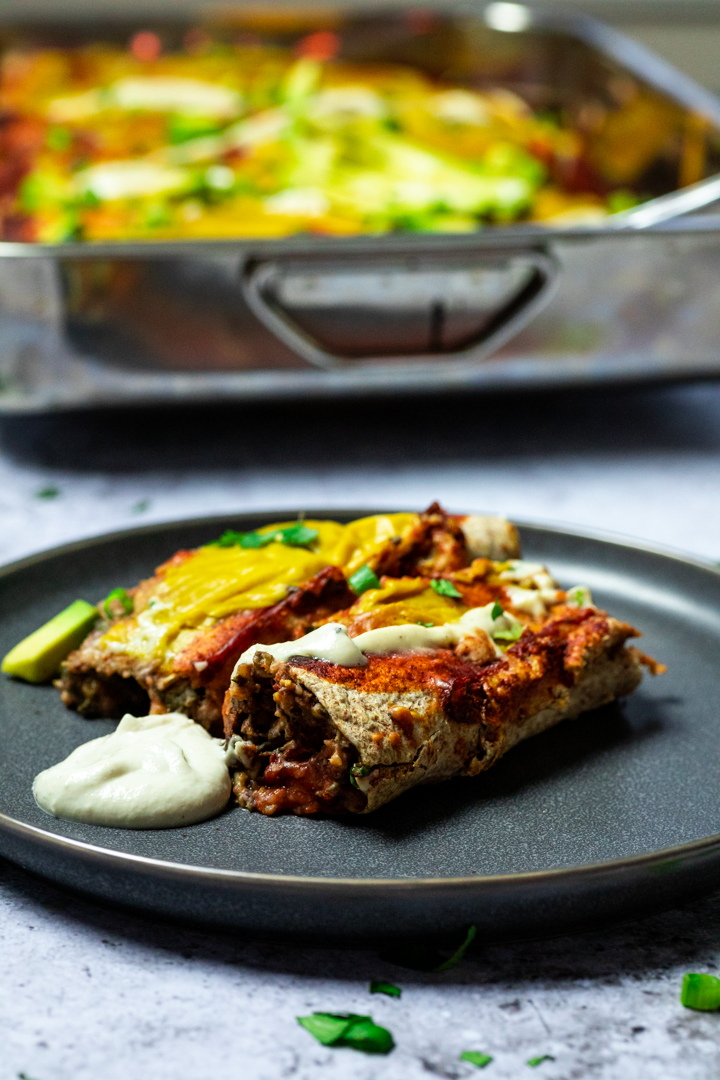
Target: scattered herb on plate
point(445, 588)
point(378, 986)
point(350, 1030)
point(363, 579)
point(475, 1057)
point(700, 992)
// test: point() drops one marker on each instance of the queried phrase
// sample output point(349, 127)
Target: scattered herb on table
point(141, 506)
point(700, 992)
point(377, 986)
point(475, 1057)
point(122, 597)
point(497, 610)
point(47, 493)
point(445, 588)
point(350, 1030)
point(363, 579)
point(534, 1062)
point(422, 957)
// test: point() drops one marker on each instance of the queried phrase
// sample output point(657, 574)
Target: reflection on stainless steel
point(531, 305)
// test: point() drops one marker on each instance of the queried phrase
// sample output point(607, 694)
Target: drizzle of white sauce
point(152, 772)
point(333, 644)
point(133, 178)
point(534, 590)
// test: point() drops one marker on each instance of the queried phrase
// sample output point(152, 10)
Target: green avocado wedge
point(37, 657)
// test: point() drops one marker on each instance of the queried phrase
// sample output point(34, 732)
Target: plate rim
point(33, 834)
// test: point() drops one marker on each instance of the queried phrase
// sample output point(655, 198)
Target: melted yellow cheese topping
point(218, 581)
point(408, 600)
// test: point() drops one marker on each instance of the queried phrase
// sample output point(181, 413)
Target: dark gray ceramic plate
point(610, 814)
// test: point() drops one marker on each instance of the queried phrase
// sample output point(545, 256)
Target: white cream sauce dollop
point(333, 644)
point(152, 772)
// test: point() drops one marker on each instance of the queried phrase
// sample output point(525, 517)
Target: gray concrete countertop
point(91, 993)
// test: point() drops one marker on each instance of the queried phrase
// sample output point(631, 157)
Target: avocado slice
point(38, 656)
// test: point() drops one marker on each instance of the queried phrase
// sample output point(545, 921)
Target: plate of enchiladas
point(363, 725)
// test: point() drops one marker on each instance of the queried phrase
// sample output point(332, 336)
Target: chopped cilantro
point(419, 956)
point(427, 625)
point(297, 535)
point(476, 1058)
point(348, 1029)
point(363, 579)
point(377, 986)
point(534, 1062)
point(700, 992)
point(47, 493)
point(496, 611)
point(356, 771)
point(122, 596)
point(512, 634)
point(445, 588)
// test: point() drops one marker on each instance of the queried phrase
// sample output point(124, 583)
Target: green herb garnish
point(496, 611)
point(419, 956)
point(363, 579)
point(476, 1058)
point(534, 1062)
point(445, 588)
point(47, 493)
point(377, 986)
point(348, 1029)
point(141, 507)
point(122, 596)
point(512, 634)
point(358, 771)
point(700, 992)
point(427, 625)
point(297, 535)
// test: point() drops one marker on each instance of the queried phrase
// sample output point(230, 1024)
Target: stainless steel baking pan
point(632, 297)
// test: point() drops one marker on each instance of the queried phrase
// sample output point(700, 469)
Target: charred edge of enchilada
point(301, 763)
point(97, 683)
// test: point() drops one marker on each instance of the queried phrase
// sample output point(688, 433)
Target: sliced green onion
point(700, 992)
point(496, 611)
point(534, 1062)
point(297, 535)
point(348, 1029)
point(445, 588)
point(253, 539)
point(122, 596)
point(476, 1058)
point(363, 579)
point(358, 771)
point(377, 986)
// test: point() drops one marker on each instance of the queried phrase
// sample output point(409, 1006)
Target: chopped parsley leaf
point(297, 535)
point(377, 986)
point(534, 1062)
point(122, 596)
point(496, 611)
point(445, 588)
point(700, 992)
point(363, 579)
point(512, 634)
point(348, 1029)
point(476, 1058)
point(47, 493)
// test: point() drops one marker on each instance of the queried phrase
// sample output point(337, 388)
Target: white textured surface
point(87, 992)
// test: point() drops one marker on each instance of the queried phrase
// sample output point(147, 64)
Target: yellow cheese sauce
point(217, 581)
point(407, 600)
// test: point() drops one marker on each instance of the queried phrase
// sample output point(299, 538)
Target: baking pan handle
point(338, 312)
